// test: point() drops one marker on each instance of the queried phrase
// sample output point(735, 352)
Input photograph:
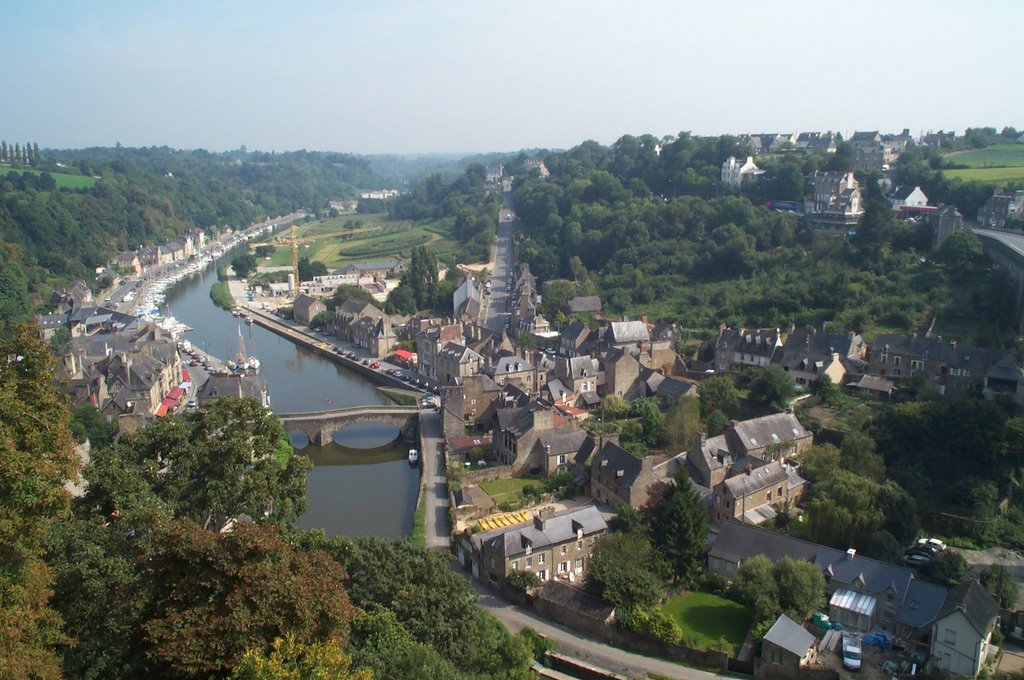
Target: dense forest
point(53, 235)
point(646, 223)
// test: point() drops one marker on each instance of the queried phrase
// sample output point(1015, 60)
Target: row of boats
point(154, 295)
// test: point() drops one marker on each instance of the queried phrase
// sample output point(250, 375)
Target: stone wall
point(487, 474)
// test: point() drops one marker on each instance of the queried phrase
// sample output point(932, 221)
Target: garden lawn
point(64, 180)
point(506, 489)
point(706, 619)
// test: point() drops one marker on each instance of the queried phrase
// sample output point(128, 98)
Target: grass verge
point(710, 620)
point(400, 398)
point(418, 532)
point(221, 295)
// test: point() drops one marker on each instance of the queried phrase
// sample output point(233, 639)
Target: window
point(563, 567)
point(515, 564)
point(529, 562)
point(540, 558)
point(776, 657)
point(564, 549)
point(492, 563)
point(896, 361)
point(949, 635)
point(579, 563)
point(769, 495)
point(579, 545)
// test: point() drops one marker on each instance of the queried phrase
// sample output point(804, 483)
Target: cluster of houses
point(133, 262)
point(873, 151)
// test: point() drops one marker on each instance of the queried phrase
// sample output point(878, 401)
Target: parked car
point(375, 365)
point(916, 559)
point(933, 544)
point(851, 652)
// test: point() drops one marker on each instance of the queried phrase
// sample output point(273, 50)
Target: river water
point(362, 485)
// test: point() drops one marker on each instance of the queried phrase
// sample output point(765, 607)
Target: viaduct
point(1006, 248)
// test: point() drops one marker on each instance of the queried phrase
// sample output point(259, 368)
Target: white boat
point(414, 456)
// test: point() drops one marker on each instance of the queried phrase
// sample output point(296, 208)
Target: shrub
point(655, 624)
point(539, 644)
point(522, 580)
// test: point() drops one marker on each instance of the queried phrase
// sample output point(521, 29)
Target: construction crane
point(295, 258)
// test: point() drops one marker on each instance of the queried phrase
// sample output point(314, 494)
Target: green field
point(64, 181)
point(990, 175)
point(360, 238)
point(709, 620)
point(1000, 155)
point(506, 489)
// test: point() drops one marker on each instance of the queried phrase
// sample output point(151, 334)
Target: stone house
point(944, 221)
point(129, 262)
point(515, 370)
point(622, 375)
point(753, 442)
point(1003, 207)
point(816, 142)
point(348, 314)
point(552, 546)
point(620, 478)
point(516, 437)
point(962, 632)
point(376, 335)
point(954, 368)
point(456, 361)
point(575, 340)
point(786, 647)
point(219, 386)
point(808, 353)
point(907, 196)
point(586, 304)
point(736, 349)
point(430, 338)
point(305, 309)
point(754, 495)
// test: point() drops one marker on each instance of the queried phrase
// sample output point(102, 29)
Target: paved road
point(496, 303)
point(583, 646)
point(438, 529)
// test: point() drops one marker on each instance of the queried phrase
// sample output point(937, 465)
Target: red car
point(375, 364)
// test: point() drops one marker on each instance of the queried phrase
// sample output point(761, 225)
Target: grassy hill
point(64, 180)
point(997, 164)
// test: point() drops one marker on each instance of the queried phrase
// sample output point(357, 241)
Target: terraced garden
point(360, 238)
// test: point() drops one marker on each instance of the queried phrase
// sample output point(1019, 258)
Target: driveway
point(583, 646)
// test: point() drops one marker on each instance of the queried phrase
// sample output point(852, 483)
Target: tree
point(679, 529)
point(1001, 584)
point(857, 454)
point(883, 546)
point(614, 407)
point(244, 265)
point(771, 388)
point(843, 512)
point(522, 580)
point(624, 570)
point(756, 586)
point(961, 252)
point(900, 511)
point(211, 466)
point(380, 642)
point(682, 422)
point(801, 587)
point(948, 568)
point(218, 595)
point(718, 393)
point(292, 660)
point(36, 459)
point(265, 250)
point(307, 269)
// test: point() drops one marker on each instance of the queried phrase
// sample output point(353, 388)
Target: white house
point(962, 632)
point(734, 173)
point(905, 196)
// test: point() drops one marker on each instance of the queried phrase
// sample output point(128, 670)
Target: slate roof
point(670, 387)
point(757, 479)
point(304, 302)
point(583, 367)
point(971, 598)
point(874, 384)
point(588, 303)
point(234, 385)
point(776, 428)
point(460, 353)
point(790, 636)
point(921, 605)
point(558, 528)
point(736, 542)
point(511, 365)
point(806, 346)
point(902, 193)
point(628, 331)
point(574, 331)
point(612, 459)
point(556, 443)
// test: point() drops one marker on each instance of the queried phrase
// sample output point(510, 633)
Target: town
point(609, 470)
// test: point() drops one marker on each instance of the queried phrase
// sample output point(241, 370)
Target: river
point(362, 485)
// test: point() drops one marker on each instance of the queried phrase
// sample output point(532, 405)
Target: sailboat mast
point(241, 345)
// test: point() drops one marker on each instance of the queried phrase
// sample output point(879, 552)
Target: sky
point(461, 76)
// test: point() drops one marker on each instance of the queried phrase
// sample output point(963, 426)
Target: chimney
point(698, 441)
point(748, 469)
point(538, 522)
point(851, 553)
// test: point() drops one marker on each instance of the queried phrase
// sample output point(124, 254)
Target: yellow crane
point(295, 258)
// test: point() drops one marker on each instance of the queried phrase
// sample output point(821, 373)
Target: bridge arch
point(320, 426)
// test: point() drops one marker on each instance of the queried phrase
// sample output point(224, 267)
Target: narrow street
point(438, 527)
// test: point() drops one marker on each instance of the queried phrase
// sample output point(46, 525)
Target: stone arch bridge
point(320, 426)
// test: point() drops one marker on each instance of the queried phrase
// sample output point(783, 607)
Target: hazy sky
point(383, 76)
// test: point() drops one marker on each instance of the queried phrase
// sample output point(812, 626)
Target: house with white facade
point(962, 632)
point(734, 173)
point(907, 196)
